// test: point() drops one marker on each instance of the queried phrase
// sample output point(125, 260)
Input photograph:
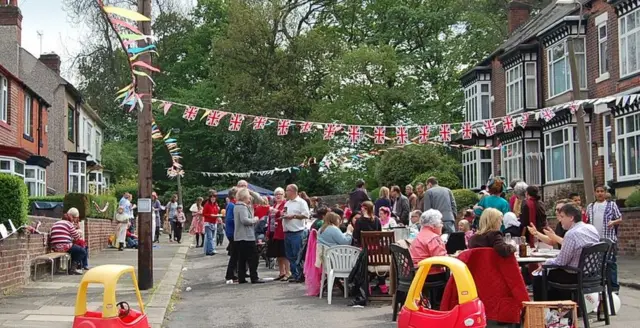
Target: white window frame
point(567, 70)
point(39, 180)
point(28, 106)
point(603, 47)
point(622, 136)
point(98, 145)
point(533, 160)
point(88, 134)
point(14, 164)
point(531, 91)
point(571, 160)
point(472, 168)
point(97, 184)
point(512, 161)
point(473, 96)
point(623, 39)
point(81, 175)
point(4, 99)
point(514, 89)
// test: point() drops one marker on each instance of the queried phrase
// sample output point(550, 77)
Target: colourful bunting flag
point(190, 113)
point(236, 122)
point(379, 135)
point(548, 114)
point(524, 119)
point(259, 122)
point(305, 127)
point(330, 131)
point(355, 133)
point(213, 119)
point(489, 127)
point(467, 131)
point(508, 124)
point(283, 127)
point(425, 131)
point(401, 135)
point(445, 132)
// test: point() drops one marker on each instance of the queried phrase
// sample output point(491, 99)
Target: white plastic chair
point(338, 262)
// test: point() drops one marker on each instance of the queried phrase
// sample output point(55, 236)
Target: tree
point(400, 167)
point(120, 158)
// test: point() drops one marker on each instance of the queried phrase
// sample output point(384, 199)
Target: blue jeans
point(210, 237)
point(85, 261)
point(78, 254)
point(292, 246)
point(613, 269)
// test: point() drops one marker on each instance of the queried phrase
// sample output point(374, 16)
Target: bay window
point(562, 154)
point(512, 161)
point(477, 99)
point(477, 167)
point(35, 178)
point(559, 68)
point(514, 89)
point(12, 165)
point(96, 183)
point(532, 163)
point(629, 29)
point(628, 140)
point(77, 176)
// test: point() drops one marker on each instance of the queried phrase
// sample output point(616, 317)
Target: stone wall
point(331, 200)
point(18, 251)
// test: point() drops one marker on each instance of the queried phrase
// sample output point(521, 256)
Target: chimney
point(518, 14)
point(52, 61)
point(11, 18)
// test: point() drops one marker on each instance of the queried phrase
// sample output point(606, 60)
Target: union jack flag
point(236, 122)
point(401, 135)
point(355, 133)
point(507, 124)
point(425, 130)
point(574, 107)
point(305, 127)
point(259, 122)
point(330, 131)
point(445, 132)
point(467, 131)
point(190, 113)
point(214, 118)
point(524, 119)
point(283, 127)
point(489, 127)
point(379, 134)
point(548, 114)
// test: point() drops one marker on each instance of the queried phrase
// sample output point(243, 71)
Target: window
point(514, 89)
point(477, 167)
point(559, 68)
point(603, 49)
point(12, 166)
point(88, 137)
point(532, 162)
point(77, 176)
point(96, 183)
point(628, 140)
point(561, 150)
point(71, 124)
point(27, 115)
point(4, 99)
point(98, 148)
point(531, 85)
point(35, 178)
point(478, 101)
point(512, 161)
point(629, 27)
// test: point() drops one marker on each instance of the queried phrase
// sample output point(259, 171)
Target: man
point(579, 235)
point(413, 198)
point(358, 196)
point(401, 207)
point(256, 199)
point(441, 199)
point(420, 196)
point(229, 230)
point(296, 213)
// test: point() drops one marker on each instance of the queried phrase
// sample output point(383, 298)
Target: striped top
point(63, 233)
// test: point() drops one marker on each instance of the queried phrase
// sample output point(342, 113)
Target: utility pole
point(179, 191)
point(585, 154)
point(145, 247)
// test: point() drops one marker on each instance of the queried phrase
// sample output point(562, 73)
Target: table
point(531, 259)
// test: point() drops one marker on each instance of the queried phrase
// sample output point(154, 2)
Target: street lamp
point(585, 154)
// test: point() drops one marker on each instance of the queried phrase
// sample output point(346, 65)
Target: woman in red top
point(275, 247)
point(211, 217)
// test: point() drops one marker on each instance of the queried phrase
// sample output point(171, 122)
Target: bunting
point(305, 127)
point(190, 113)
point(235, 123)
point(425, 130)
point(467, 131)
point(172, 147)
point(330, 131)
point(355, 133)
point(214, 117)
point(401, 135)
point(283, 127)
point(259, 122)
point(445, 132)
point(507, 124)
point(489, 127)
point(379, 135)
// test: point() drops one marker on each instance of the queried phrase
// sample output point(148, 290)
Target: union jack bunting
point(573, 107)
point(445, 132)
point(548, 114)
point(355, 133)
point(283, 127)
point(305, 127)
point(190, 113)
point(508, 124)
point(213, 119)
point(330, 131)
point(236, 122)
point(259, 122)
point(467, 131)
point(425, 130)
point(379, 134)
point(401, 135)
point(489, 127)
point(524, 119)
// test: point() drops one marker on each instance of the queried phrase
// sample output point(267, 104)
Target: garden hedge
point(633, 200)
point(79, 201)
point(14, 201)
point(131, 188)
point(464, 198)
point(445, 178)
point(102, 200)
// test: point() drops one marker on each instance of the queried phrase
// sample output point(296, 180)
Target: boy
point(220, 234)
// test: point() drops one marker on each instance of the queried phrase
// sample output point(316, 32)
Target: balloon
point(617, 304)
point(591, 302)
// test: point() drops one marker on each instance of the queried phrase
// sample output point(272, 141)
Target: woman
point(532, 212)
point(244, 237)
point(275, 248)
point(551, 237)
point(306, 198)
point(172, 211)
point(367, 222)
point(61, 239)
point(489, 234)
point(385, 218)
point(320, 214)
point(330, 234)
point(123, 225)
point(519, 195)
point(511, 225)
point(496, 186)
point(211, 220)
point(157, 207)
point(197, 222)
point(383, 199)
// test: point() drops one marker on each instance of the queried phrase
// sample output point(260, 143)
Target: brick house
point(74, 129)
point(530, 71)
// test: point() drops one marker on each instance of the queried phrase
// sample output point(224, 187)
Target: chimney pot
point(52, 61)
point(519, 12)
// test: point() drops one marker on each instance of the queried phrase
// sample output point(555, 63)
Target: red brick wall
point(17, 251)
point(9, 131)
point(628, 243)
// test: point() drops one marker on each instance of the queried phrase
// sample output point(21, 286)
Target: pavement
point(51, 302)
point(629, 271)
point(205, 301)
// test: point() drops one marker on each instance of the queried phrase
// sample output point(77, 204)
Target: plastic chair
point(405, 272)
point(607, 269)
point(338, 262)
point(591, 272)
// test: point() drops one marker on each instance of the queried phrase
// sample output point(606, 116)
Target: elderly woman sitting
point(428, 242)
point(62, 237)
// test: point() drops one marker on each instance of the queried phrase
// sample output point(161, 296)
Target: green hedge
point(14, 200)
point(79, 201)
point(131, 188)
point(633, 200)
point(374, 194)
point(464, 198)
point(56, 198)
point(445, 178)
point(102, 200)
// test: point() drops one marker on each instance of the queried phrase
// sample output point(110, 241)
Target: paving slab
point(49, 318)
point(51, 310)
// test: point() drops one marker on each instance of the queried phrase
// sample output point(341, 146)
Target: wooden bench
point(50, 258)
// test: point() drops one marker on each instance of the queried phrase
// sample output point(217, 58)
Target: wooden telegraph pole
point(145, 247)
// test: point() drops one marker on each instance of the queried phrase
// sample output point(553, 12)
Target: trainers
point(258, 281)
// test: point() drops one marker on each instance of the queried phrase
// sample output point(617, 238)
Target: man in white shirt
point(296, 212)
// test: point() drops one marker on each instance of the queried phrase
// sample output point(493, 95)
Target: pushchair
point(261, 230)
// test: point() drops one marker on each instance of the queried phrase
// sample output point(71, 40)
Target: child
point(123, 223)
point(220, 233)
point(180, 220)
point(464, 226)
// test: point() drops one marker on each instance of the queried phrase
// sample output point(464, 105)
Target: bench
point(50, 258)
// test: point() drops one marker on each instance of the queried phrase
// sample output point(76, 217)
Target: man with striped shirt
point(63, 234)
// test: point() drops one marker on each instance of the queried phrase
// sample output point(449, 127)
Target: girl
point(180, 220)
point(197, 223)
point(367, 222)
point(123, 224)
